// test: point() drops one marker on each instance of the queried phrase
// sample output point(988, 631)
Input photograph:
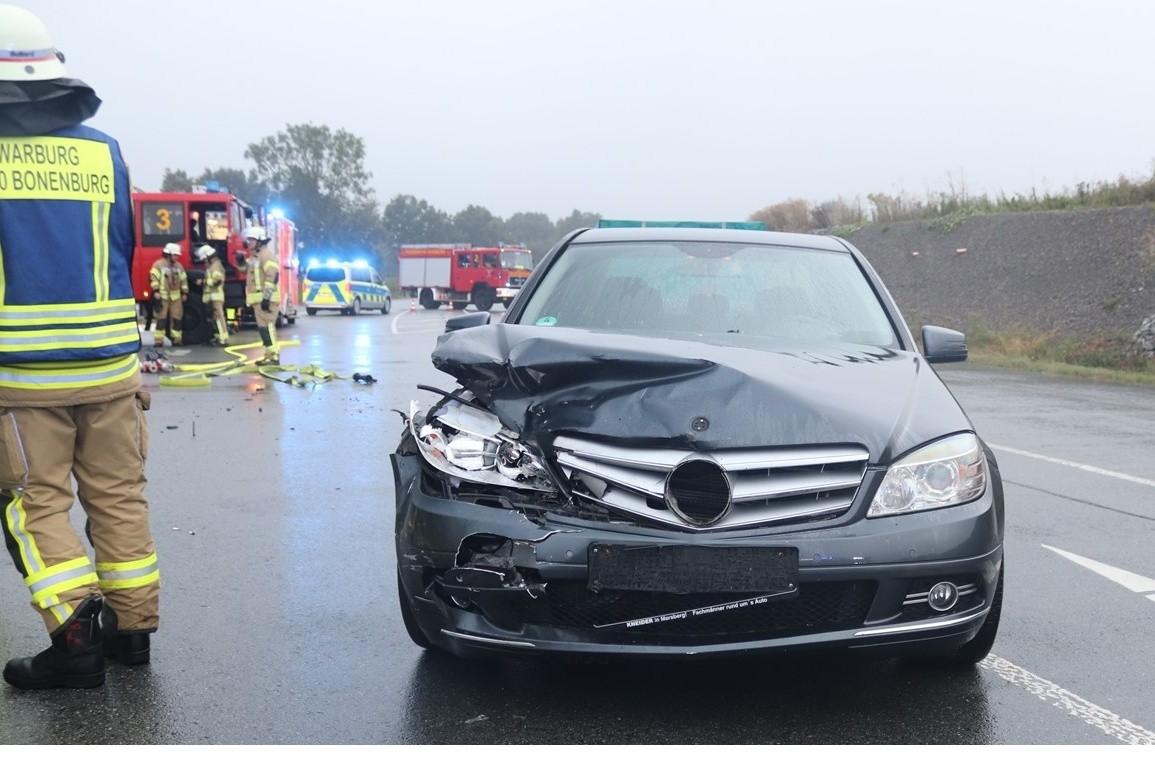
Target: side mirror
point(943, 346)
point(467, 321)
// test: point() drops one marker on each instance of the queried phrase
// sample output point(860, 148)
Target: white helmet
point(256, 232)
point(26, 51)
point(203, 252)
point(172, 250)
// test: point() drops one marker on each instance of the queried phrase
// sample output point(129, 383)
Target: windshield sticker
point(546, 320)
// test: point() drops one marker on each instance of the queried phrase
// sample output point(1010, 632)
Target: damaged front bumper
point(485, 574)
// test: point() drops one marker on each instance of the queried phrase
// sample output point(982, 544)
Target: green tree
point(476, 225)
point(577, 219)
point(176, 180)
point(534, 229)
point(318, 177)
point(409, 220)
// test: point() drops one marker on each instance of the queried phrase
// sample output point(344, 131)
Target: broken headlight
point(469, 443)
point(948, 472)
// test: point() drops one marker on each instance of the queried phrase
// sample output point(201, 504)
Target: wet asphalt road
point(272, 512)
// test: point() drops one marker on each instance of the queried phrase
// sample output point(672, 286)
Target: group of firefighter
point(170, 289)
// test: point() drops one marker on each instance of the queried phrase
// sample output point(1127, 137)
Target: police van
point(348, 287)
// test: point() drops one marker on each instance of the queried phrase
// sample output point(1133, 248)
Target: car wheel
point(356, 309)
point(387, 306)
point(979, 647)
point(407, 617)
point(311, 310)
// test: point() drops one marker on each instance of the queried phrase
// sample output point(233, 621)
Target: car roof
point(723, 235)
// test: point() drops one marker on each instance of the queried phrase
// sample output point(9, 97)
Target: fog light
point(942, 597)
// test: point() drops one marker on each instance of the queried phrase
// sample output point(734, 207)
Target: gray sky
point(634, 109)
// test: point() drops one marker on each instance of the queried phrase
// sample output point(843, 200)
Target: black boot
point(128, 647)
point(74, 660)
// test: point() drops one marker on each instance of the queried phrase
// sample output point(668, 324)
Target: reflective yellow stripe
point(47, 584)
point(68, 374)
point(76, 339)
point(15, 520)
point(73, 313)
point(100, 250)
point(128, 574)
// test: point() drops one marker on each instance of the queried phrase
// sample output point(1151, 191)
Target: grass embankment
point(1103, 359)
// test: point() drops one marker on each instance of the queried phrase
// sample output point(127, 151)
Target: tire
point(387, 306)
point(280, 322)
point(311, 310)
point(979, 647)
point(507, 302)
point(356, 309)
point(483, 297)
point(407, 617)
point(427, 301)
point(460, 305)
point(196, 325)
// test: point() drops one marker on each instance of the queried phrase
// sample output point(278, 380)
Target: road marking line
point(1122, 730)
point(1080, 466)
point(1129, 580)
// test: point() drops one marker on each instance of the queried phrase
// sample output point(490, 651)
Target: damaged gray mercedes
point(697, 440)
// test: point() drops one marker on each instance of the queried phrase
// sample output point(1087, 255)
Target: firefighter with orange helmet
point(169, 283)
point(213, 290)
point(262, 292)
point(71, 406)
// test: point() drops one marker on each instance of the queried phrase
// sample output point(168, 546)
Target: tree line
point(317, 176)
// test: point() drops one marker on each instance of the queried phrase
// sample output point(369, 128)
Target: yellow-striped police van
point(348, 287)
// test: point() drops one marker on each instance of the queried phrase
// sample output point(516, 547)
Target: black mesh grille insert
point(818, 607)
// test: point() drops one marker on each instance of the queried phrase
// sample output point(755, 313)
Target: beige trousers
point(172, 311)
point(103, 447)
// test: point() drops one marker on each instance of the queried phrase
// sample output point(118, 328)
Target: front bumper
point(486, 578)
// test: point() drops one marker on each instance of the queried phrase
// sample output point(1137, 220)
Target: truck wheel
point(427, 301)
point(483, 297)
point(460, 305)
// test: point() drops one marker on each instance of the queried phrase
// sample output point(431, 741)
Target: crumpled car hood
point(648, 391)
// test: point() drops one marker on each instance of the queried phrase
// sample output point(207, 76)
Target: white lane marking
point(1122, 730)
point(1129, 580)
point(1080, 466)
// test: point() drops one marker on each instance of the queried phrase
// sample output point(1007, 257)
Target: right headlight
point(948, 472)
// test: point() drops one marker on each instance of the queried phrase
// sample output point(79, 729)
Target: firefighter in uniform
point(71, 405)
point(169, 284)
point(213, 291)
point(262, 293)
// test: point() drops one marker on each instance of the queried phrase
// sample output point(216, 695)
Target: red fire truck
point(216, 218)
point(460, 273)
point(518, 260)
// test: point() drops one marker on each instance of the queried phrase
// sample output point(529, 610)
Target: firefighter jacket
point(214, 288)
point(261, 280)
point(68, 329)
point(168, 280)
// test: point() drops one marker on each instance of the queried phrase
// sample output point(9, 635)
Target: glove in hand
point(265, 305)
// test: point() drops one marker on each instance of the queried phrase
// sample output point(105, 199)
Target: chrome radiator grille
point(761, 486)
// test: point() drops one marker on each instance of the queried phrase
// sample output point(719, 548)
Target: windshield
point(325, 274)
point(750, 293)
point(517, 259)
